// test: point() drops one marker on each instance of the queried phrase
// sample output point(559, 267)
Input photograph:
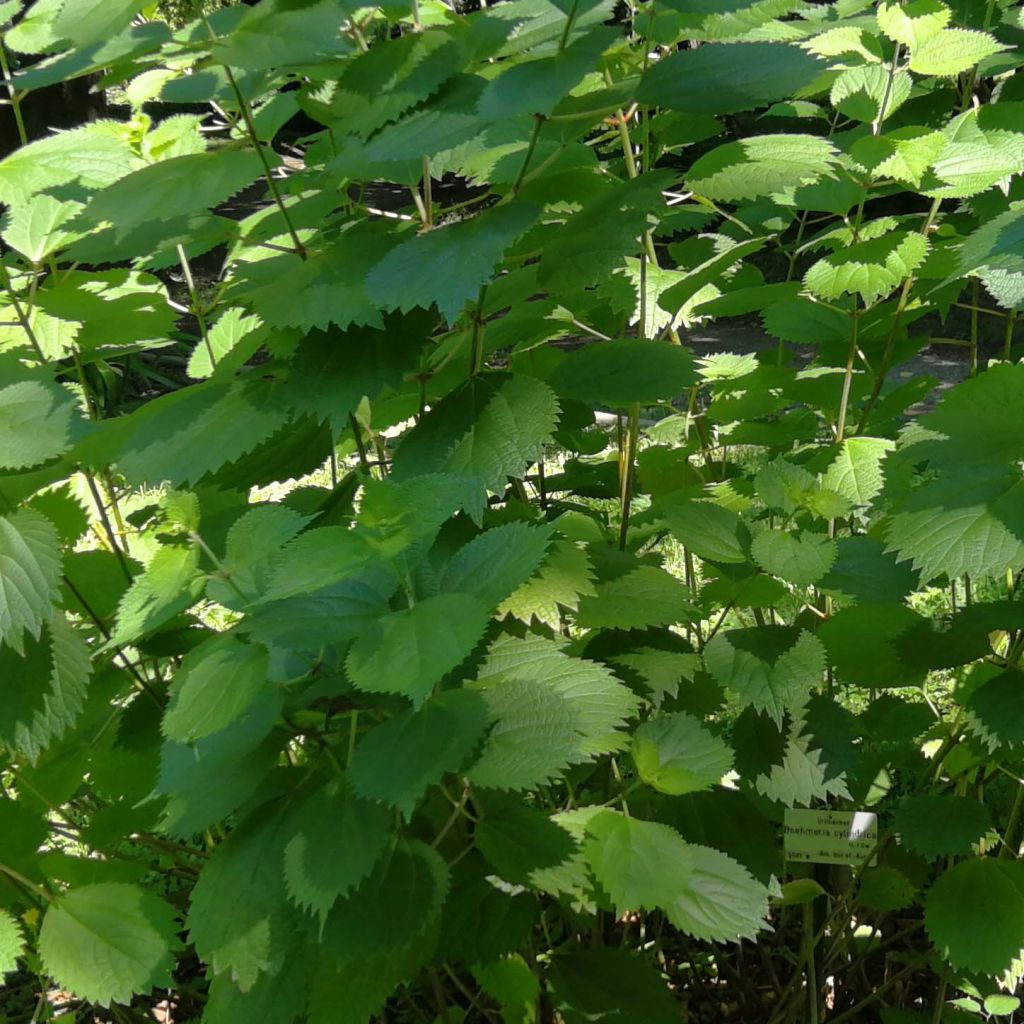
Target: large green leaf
point(975, 914)
point(643, 864)
point(30, 565)
point(745, 75)
point(410, 651)
point(762, 165)
point(398, 760)
point(214, 686)
point(645, 596)
point(108, 942)
point(869, 269)
point(621, 373)
point(675, 754)
point(771, 668)
point(800, 558)
point(952, 50)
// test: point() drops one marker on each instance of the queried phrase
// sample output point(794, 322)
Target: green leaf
point(173, 188)
point(410, 651)
point(511, 983)
point(708, 530)
point(233, 340)
point(239, 918)
point(770, 668)
point(92, 156)
point(861, 644)
point(537, 86)
point(12, 943)
point(398, 761)
point(108, 942)
point(84, 22)
point(645, 596)
point(802, 776)
point(490, 428)
point(334, 841)
point(47, 690)
point(912, 23)
point(643, 864)
point(564, 577)
point(621, 373)
point(856, 472)
point(800, 891)
point(39, 226)
point(214, 686)
point(393, 907)
point(549, 710)
point(864, 573)
point(518, 839)
point(38, 422)
point(762, 165)
point(799, 558)
point(975, 914)
point(610, 984)
point(952, 50)
point(494, 564)
point(675, 754)
point(1001, 1005)
point(885, 889)
point(30, 567)
point(937, 825)
point(745, 75)
point(170, 584)
point(447, 266)
point(869, 93)
point(996, 706)
point(870, 269)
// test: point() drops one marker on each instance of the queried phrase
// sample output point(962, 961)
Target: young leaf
point(800, 558)
point(108, 942)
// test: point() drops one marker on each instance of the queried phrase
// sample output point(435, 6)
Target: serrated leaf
point(490, 428)
point(38, 422)
point(564, 577)
point(997, 705)
point(12, 943)
point(397, 761)
point(770, 668)
point(608, 983)
point(549, 710)
point(173, 188)
point(239, 918)
point(334, 841)
point(675, 754)
point(708, 530)
point(93, 156)
point(870, 269)
point(861, 644)
point(408, 652)
point(518, 839)
point(30, 566)
point(802, 776)
point(762, 165)
point(936, 825)
point(951, 51)
point(799, 558)
point(856, 472)
point(869, 93)
point(912, 23)
point(214, 686)
point(621, 373)
point(645, 596)
point(746, 75)
point(495, 563)
point(885, 889)
point(170, 584)
point(975, 914)
point(702, 891)
point(38, 227)
point(447, 266)
point(108, 942)
point(47, 690)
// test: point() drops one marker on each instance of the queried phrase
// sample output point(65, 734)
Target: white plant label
point(830, 837)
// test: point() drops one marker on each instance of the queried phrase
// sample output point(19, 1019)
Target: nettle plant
point(399, 621)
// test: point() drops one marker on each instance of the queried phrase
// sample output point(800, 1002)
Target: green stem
point(13, 93)
point(197, 309)
point(18, 877)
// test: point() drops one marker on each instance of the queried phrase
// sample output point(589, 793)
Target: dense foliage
point(399, 621)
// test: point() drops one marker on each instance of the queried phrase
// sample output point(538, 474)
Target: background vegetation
point(399, 621)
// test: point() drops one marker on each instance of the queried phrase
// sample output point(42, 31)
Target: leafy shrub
point(372, 647)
